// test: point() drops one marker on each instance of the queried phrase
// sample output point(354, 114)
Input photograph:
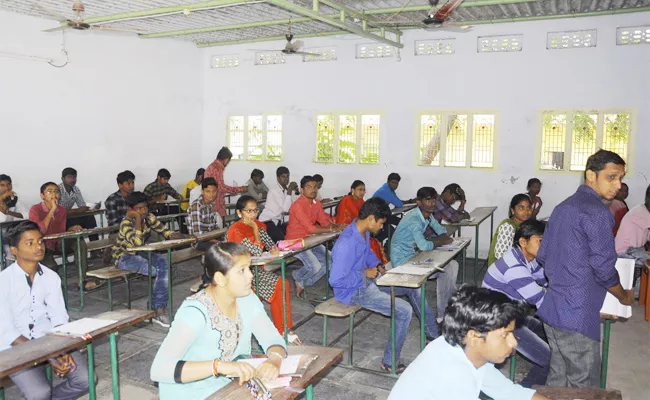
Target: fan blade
point(108, 28)
point(305, 53)
point(60, 28)
point(445, 11)
point(448, 28)
point(53, 13)
point(295, 46)
point(265, 50)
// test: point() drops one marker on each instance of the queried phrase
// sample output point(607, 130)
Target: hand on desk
point(269, 369)
point(243, 371)
point(441, 240)
point(274, 251)
point(75, 228)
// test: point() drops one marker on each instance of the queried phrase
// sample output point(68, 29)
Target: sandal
point(293, 339)
point(94, 285)
point(387, 368)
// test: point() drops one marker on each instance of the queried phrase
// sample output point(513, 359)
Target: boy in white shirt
point(279, 199)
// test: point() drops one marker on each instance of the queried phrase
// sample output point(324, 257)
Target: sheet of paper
point(415, 269)
point(611, 305)
point(266, 255)
point(289, 364)
point(82, 326)
point(456, 244)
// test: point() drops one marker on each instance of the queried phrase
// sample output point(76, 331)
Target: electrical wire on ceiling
point(37, 58)
point(63, 51)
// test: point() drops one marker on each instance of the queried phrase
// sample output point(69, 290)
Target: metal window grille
point(325, 138)
point(374, 50)
point(370, 139)
point(571, 39)
point(434, 47)
point(482, 140)
point(236, 137)
point(616, 133)
point(553, 141)
point(225, 61)
point(320, 54)
point(456, 153)
point(503, 43)
point(255, 137)
point(269, 58)
point(255, 148)
point(583, 139)
point(633, 35)
point(274, 137)
point(347, 139)
point(430, 131)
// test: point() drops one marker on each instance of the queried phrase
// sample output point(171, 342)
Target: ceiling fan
point(77, 21)
point(292, 48)
point(437, 20)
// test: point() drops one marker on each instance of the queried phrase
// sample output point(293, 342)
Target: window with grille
point(255, 137)
point(570, 137)
point(457, 139)
point(347, 138)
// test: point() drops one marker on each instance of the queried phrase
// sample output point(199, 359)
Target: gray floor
point(628, 364)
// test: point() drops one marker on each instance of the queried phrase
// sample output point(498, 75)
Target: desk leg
point(423, 301)
point(605, 356)
point(513, 366)
point(65, 273)
point(150, 300)
point(114, 371)
point(309, 392)
point(462, 273)
point(81, 275)
point(393, 367)
point(91, 371)
point(170, 298)
point(283, 269)
point(327, 273)
point(3, 264)
point(101, 221)
point(476, 254)
point(491, 228)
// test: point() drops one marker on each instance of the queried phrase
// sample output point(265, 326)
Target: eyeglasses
point(255, 210)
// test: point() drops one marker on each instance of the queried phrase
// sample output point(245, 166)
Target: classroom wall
point(516, 85)
point(121, 103)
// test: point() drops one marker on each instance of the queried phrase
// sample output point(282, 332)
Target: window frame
point(444, 113)
point(568, 141)
point(358, 140)
point(264, 116)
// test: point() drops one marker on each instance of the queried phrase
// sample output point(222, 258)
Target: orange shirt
point(303, 216)
point(348, 209)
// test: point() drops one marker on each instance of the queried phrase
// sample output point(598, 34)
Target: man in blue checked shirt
point(579, 258)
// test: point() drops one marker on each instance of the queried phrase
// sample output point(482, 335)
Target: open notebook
point(611, 305)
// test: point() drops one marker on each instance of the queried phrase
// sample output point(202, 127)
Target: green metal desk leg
point(91, 371)
point(603, 366)
point(81, 275)
point(48, 372)
point(114, 370)
point(283, 268)
point(150, 303)
point(423, 301)
point(491, 228)
point(324, 330)
point(65, 273)
point(476, 255)
point(309, 392)
point(2, 393)
point(393, 367)
point(462, 273)
point(351, 340)
point(170, 298)
point(513, 367)
point(101, 220)
point(3, 260)
point(327, 273)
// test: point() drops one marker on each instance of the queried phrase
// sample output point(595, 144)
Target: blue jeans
point(313, 269)
point(140, 264)
point(375, 299)
point(533, 346)
point(446, 282)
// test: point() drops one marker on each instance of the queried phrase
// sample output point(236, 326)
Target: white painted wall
point(121, 103)
point(517, 85)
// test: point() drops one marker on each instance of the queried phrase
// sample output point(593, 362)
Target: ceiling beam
point(357, 14)
point(314, 14)
point(478, 22)
point(477, 3)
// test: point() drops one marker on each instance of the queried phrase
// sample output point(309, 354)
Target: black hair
point(394, 176)
point(318, 178)
point(15, 233)
point(164, 173)
point(4, 177)
point(528, 229)
point(69, 171)
point(647, 197)
point(45, 185)
point(125, 176)
point(516, 199)
point(533, 181)
point(281, 170)
point(220, 257)
point(481, 310)
point(597, 161)
point(208, 182)
point(305, 179)
point(622, 184)
point(356, 184)
point(224, 153)
point(257, 173)
point(243, 200)
point(377, 207)
point(200, 172)
point(135, 198)
point(455, 190)
point(426, 192)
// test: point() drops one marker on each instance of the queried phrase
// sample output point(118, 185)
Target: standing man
point(216, 170)
point(71, 196)
point(578, 255)
point(278, 202)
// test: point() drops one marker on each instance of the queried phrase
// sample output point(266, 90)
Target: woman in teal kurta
point(214, 327)
point(520, 210)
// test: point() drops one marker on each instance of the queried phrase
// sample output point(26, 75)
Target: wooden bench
point(99, 244)
point(110, 273)
point(336, 309)
point(189, 253)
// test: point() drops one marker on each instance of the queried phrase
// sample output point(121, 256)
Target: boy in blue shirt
point(387, 192)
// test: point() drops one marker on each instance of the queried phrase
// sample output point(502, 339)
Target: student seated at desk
point(256, 186)
point(444, 202)
point(633, 237)
point(71, 196)
point(135, 230)
point(477, 332)
point(213, 328)
point(618, 206)
point(387, 192)
point(160, 189)
point(419, 231)
point(354, 268)
point(51, 218)
point(31, 304)
point(11, 208)
point(319, 183)
point(216, 170)
point(520, 210)
point(306, 217)
point(278, 202)
point(251, 233)
point(518, 275)
point(534, 186)
point(116, 207)
point(191, 185)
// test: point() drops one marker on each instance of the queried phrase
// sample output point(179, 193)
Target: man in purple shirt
point(578, 256)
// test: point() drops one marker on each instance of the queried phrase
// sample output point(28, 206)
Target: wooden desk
point(564, 393)
point(327, 356)
point(404, 209)
point(99, 212)
point(38, 351)
point(331, 205)
point(203, 237)
point(440, 259)
point(479, 215)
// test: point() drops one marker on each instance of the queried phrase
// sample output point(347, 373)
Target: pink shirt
point(618, 209)
point(635, 229)
point(39, 211)
point(215, 170)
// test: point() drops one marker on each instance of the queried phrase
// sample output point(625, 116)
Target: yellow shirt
point(186, 191)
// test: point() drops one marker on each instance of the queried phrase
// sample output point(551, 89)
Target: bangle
point(275, 353)
point(215, 364)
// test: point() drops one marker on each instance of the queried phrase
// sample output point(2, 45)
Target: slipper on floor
point(98, 285)
point(294, 339)
point(387, 368)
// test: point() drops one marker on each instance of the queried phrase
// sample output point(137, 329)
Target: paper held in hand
point(611, 305)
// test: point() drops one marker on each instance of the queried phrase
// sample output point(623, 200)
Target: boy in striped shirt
point(518, 275)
